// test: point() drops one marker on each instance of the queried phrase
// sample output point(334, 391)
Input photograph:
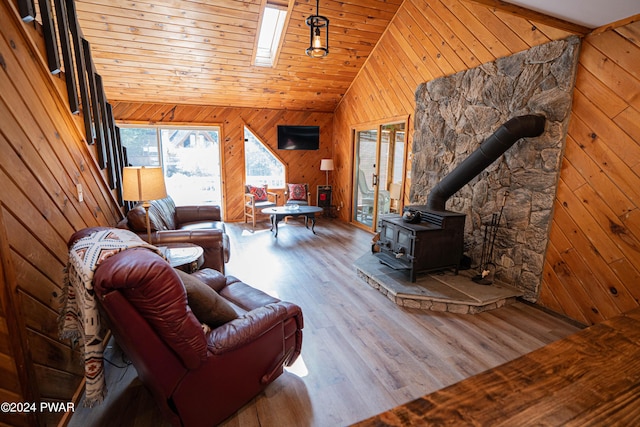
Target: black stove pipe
point(488, 152)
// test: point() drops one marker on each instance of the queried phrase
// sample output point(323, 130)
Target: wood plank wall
point(424, 41)
point(592, 268)
point(42, 158)
point(300, 166)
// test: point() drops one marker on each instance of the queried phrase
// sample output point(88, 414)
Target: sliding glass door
point(365, 178)
point(379, 164)
point(395, 176)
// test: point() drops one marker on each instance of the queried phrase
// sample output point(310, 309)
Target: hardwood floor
point(587, 379)
point(361, 353)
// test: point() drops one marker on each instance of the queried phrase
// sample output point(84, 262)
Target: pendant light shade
point(318, 43)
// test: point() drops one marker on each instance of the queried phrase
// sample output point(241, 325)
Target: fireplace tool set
point(487, 266)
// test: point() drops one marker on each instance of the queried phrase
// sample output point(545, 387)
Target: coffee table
point(277, 214)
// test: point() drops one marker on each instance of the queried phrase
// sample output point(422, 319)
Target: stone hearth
point(439, 291)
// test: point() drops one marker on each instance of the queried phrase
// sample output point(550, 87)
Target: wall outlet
point(80, 195)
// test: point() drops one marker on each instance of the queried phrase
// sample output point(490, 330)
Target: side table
point(184, 256)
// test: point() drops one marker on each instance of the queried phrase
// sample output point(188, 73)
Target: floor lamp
point(142, 184)
point(326, 165)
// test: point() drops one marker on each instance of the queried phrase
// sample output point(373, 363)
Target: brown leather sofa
point(197, 378)
point(200, 225)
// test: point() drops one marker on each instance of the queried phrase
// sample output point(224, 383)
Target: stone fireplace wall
point(455, 114)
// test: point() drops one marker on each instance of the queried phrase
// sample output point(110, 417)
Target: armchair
point(256, 199)
point(298, 194)
point(366, 198)
point(198, 375)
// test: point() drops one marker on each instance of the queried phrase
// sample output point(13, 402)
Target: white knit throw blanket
point(79, 318)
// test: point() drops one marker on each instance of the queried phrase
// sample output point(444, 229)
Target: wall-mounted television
point(298, 137)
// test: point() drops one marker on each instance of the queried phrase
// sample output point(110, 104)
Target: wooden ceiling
point(200, 51)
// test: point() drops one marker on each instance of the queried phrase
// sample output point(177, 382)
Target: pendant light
point(317, 24)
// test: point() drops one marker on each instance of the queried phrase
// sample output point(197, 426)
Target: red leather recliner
point(197, 378)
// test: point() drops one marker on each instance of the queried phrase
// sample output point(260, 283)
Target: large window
point(142, 146)
point(262, 166)
point(189, 156)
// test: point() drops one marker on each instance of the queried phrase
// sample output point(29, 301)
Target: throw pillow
point(259, 193)
point(297, 192)
point(208, 307)
point(137, 219)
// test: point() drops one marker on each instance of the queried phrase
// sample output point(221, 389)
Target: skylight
point(273, 22)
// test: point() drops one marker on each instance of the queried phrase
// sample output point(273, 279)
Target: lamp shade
point(143, 183)
point(326, 165)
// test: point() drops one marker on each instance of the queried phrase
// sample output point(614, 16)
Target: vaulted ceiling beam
point(534, 16)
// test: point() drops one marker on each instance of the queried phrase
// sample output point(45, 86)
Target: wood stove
point(435, 243)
